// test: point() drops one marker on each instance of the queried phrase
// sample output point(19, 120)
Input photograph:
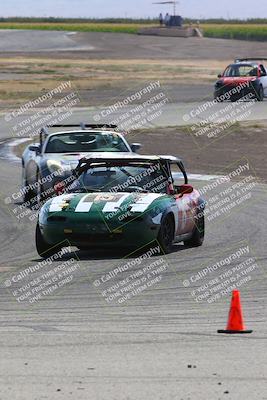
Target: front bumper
point(224, 90)
point(133, 234)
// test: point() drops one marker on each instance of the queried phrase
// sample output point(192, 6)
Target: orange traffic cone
point(235, 318)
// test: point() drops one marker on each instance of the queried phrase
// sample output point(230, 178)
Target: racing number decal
point(59, 202)
point(112, 200)
point(105, 197)
point(85, 203)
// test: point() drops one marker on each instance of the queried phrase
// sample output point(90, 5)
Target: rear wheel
point(197, 238)
point(43, 248)
point(166, 234)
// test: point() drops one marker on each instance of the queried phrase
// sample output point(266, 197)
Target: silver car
point(47, 164)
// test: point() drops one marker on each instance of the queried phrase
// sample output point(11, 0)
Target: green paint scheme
point(97, 227)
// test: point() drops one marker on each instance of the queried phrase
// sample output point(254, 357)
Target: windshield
point(241, 70)
point(85, 142)
point(148, 178)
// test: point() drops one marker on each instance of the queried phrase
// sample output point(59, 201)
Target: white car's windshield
point(85, 142)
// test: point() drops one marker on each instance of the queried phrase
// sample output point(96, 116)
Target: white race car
point(51, 161)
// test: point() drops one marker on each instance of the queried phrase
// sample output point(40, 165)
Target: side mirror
point(35, 148)
point(219, 75)
point(135, 147)
point(185, 189)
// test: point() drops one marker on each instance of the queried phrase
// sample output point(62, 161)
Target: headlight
point(66, 166)
point(43, 213)
point(58, 166)
point(219, 83)
point(54, 165)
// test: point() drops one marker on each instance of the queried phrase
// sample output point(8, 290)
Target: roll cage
point(86, 163)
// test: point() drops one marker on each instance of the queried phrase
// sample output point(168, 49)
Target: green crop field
point(236, 31)
point(79, 27)
point(243, 31)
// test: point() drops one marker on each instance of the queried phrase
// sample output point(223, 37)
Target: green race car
point(125, 201)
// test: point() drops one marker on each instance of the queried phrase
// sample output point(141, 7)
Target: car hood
point(106, 202)
point(102, 208)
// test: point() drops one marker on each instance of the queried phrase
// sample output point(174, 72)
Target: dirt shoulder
point(98, 82)
point(210, 156)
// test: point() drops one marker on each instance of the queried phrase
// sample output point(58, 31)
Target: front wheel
point(28, 192)
point(166, 234)
point(218, 97)
point(39, 191)
point(233, 99)
point(260, 94)
point(197, 238)
point(43, 248)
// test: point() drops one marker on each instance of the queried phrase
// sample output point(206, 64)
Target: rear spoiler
point(251, 59)
point(84, 126)
point(84, 163)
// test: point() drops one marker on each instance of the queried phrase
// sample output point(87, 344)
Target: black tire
point(260, 94)
point(28, 195)
point(43, 248)
point(39, 191)
point(166, 234)
point(197, 238)
point(217, 96)
point(233, 99)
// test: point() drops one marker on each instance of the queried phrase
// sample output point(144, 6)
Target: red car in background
point(245, 77)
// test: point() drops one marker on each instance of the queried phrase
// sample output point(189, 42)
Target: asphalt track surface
point(114, 45)
point(161, 344)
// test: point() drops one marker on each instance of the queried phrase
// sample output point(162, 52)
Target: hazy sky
point(133, 8)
